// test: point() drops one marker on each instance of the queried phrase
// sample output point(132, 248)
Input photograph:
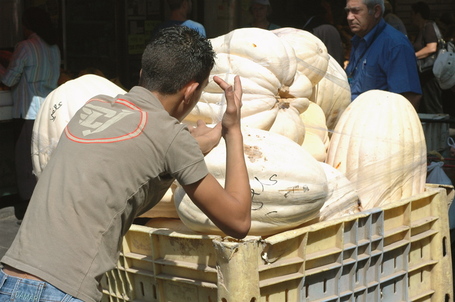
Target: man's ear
point(189, 90)
point(377, 11)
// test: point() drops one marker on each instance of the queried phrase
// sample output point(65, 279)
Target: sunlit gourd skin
point(281, 72)
point(316, 133)
point(288, 185)
point(57, 110)
point(379, 144)
point(332, 93)
point(343, 199)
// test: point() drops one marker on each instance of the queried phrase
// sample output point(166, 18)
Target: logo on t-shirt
point(103, 122)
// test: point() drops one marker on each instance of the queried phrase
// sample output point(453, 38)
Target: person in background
point(116, 159)
point(180, 12)
point(392, 19)
point(426, 44)
point(381, 56)
point(32, 73)
point(444, 74)
point(446, 23)
point(318, 24)
point(260, 11)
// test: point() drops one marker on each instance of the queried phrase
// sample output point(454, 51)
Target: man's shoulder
point(391, 36)
point(196, 26)
point(192, 24)
point(394, 33)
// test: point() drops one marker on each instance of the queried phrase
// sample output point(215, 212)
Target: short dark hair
point(39, 21)
point(422, 8)
point(175, 56)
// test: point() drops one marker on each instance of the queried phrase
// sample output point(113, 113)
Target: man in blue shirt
point(180, 10)
point(381, 56)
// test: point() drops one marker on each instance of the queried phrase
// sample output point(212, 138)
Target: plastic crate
point(399, 252)
point(436, 130)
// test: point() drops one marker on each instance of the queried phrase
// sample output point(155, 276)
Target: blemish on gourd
point(253, 153)
point(295, 189)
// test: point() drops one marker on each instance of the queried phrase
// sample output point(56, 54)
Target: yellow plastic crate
point(399, 252)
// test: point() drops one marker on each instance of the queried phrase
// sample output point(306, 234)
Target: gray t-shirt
point(115, 160)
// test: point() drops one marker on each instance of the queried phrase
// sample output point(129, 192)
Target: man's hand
point(228, 208)
point(207, 137)
point(231, 117)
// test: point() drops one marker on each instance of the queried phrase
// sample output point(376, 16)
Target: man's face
point(259, 11)
point(359, 20)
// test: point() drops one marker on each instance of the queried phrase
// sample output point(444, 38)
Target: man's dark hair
point(39, 21)
point(174, 57)
point(422, 8)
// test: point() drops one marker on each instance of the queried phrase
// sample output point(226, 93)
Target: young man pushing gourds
point(115, 160)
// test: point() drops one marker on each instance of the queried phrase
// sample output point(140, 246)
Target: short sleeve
point(185, 160)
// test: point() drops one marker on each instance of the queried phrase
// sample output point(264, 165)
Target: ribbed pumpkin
point(316, 140)
point(288, 185)
point(279, 70)
point(332, 93)
point(311, 52)
point(57, 110)
point(265, 64)
point(379, 145)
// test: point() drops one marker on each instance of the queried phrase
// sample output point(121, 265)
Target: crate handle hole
point(325, 285)
point(444, 244)
point(154, 292)
point(142, 288)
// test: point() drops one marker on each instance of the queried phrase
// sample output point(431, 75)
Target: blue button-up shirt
point(384, 59)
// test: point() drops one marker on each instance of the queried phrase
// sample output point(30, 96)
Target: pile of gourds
point(311, 154)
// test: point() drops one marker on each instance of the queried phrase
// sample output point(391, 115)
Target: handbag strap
point(441, 42)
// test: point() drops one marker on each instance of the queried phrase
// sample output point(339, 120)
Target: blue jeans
point(25, 290)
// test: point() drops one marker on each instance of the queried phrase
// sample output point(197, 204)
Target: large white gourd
point(379, 145)
point(262, 47)
point(316, 140)
point(343, 199)
point(57, 110)
point(288, 185)
point(311, 52)
point(332, 93)
point(265, 63)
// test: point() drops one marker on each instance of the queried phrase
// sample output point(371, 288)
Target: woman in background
point(32, 74)
point(425, 44)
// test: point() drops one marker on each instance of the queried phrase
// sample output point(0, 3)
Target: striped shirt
point(34, 70)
